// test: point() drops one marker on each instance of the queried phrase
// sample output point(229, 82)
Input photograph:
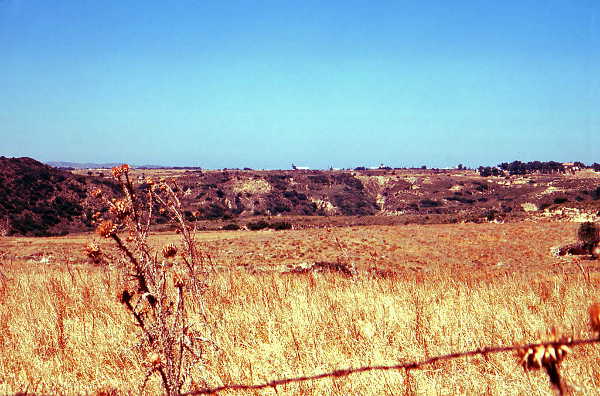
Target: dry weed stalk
point(347, 262)
point(159, 287)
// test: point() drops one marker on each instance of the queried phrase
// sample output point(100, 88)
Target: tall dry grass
point(63, 331)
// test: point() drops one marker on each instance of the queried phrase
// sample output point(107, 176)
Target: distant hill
point(39, 200)
point(405, 195)
point(36, 199)
point(81, 165)
point(92, 165)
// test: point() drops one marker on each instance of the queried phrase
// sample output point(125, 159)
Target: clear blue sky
point(318, 83)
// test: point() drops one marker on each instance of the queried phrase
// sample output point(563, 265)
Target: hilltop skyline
point(341, 84)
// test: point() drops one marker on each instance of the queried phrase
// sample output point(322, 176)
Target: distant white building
point(571, 167)
point(294, 167)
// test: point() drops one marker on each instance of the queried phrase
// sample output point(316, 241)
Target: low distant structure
point(571, 167)
point(294, 167)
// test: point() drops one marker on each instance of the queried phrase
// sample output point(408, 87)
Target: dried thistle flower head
point(542, 355)
point(154, 359)
point(594, 312)
point(106, 229)
point(120, 208)
point(118, 171)
point(545, 355)
point(169, 251)
point(531, 357)
point(93, 251)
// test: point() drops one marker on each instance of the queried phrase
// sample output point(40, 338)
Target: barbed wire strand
point(414, 365)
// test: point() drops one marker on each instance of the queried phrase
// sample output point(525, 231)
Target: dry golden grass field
point(421, 290)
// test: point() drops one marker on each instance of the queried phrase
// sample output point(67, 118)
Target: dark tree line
point(487, 171)
point(523, 168)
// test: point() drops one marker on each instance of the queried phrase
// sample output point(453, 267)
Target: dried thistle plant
point(159, 288)
point(547, 355)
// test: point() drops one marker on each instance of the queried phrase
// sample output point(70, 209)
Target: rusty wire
point(414, 365)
